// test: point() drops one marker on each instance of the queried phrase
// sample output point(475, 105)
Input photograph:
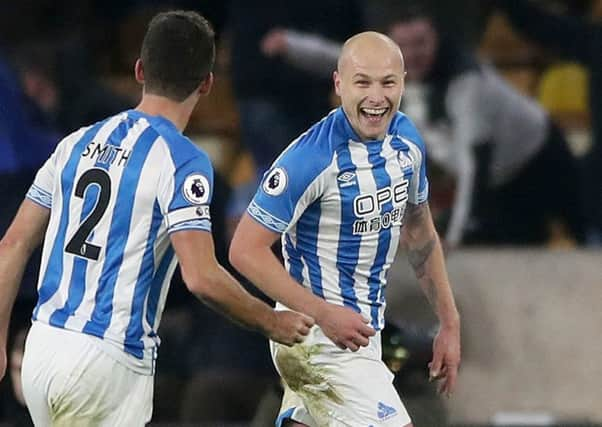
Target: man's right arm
point(251, 254)
point(214, 286)
point(308, 52)
point(469, 117)
point(23, 236)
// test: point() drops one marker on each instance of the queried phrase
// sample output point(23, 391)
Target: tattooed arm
point(426, 257)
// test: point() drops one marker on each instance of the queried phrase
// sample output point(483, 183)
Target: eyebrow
point(365, 76)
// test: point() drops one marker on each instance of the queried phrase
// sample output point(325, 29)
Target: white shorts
point(69, 381)
point(325, 386)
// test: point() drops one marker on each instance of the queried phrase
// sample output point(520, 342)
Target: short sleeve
point(185, 194)
point(287, 188)
point(418, 189)
point(41, 190)
point(419, 186)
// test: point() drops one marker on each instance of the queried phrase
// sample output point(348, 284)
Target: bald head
point(369, 80)
point(371, 48)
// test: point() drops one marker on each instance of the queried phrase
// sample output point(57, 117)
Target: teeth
point(375, 111)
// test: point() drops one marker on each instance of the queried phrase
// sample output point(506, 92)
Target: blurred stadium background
point(531, 315)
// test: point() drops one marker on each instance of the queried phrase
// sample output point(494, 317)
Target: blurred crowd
point(506, 93)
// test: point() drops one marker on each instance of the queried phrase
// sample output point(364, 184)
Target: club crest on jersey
point(196, 189)
point(275, 182)
point(404, 161)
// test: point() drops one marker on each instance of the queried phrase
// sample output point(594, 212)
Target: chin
point(374, 135)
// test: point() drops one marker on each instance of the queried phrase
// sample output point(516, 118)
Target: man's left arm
point(23, 236)
point(426, 257)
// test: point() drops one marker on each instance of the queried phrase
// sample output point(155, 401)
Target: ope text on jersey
point(366, 205)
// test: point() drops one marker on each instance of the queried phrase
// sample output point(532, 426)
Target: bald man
point(337, 197)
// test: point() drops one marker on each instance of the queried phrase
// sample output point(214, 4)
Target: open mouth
point(374, 114)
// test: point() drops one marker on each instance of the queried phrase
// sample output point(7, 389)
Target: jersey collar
point(344, 129)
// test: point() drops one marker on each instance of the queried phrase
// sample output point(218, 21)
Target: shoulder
point(182, 150)
point(404, 129)
point(312, 151)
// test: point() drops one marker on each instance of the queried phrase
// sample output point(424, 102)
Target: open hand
point(446, 359)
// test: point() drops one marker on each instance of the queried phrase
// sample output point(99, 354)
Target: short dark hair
point(177, 53)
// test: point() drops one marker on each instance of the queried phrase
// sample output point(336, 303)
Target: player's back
point(107, 260)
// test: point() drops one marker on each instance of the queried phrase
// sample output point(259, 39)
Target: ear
point(336, 77)
point(206, 85)
point(403, 82)
point(139, 71)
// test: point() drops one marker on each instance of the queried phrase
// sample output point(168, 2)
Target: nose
point(376, 95)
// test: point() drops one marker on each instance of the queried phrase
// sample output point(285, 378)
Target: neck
point(176, 112)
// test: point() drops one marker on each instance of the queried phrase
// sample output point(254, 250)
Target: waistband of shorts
point(144, 366)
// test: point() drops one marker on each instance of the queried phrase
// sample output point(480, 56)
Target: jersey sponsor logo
point(368, 204)
point(275, 182)
point(369, 208)
point(378, 223)
point(384, 412)
point(196, 189)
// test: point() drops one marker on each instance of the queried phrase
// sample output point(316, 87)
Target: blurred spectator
point(577, 38)
point(117, 27)
point(277, 101)
point(502, 148)
point(24, 146)
point(59, 79)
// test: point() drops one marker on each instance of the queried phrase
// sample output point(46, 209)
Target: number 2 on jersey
point(78, 244)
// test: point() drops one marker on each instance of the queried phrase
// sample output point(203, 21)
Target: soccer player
point(118, 204)
point(339, 196)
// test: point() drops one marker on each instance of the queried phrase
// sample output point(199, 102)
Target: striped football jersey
point(339, 204)
point(115, 191)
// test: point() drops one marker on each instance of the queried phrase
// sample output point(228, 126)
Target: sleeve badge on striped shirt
point(275, 182)
point(196, 189)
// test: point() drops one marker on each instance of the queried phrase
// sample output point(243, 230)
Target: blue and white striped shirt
point(339, 203)
point(115, 191)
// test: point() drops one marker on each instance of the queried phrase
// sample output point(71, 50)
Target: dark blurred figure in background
point(60, 80)
point(578, 38)
point(24, 146)
point(23, 143)
point(500, 146)
point(276, 100)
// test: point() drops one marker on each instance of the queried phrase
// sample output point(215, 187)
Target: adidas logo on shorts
point(385, 412)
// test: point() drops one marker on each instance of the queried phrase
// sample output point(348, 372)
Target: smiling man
point(369, 81)
point(338, 196)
